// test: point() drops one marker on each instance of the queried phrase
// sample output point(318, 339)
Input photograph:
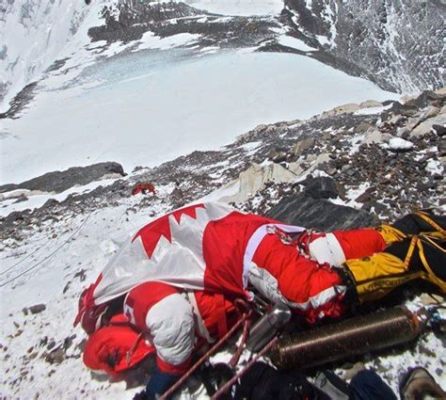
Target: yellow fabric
point(430, 276)
point(376, 266)
point(377, 289)
point(377, 275)
point(390, 234)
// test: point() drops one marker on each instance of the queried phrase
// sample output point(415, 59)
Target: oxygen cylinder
point(351, 337)
point(267, 327)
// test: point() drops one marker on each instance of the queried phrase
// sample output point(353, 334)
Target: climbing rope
point(34, 266)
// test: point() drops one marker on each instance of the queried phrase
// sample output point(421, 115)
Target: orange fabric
point(224, 244)
point(213, 308)
point(358, 243)
point(298, 277)
point(114, 349)
point(144, 188)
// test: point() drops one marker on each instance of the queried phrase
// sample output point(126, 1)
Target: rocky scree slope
point(381, 160)
point(385, 160)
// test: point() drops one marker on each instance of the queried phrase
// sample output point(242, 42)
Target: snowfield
point(148, 107)
point(239, 7)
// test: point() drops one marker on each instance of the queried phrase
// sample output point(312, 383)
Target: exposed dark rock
point(68, 341)
point(136, 18)
point(59, 181)
point(21, 99)
point(36, 309)
point(57, 356)
point(321, 187)
point(442, 148)
point(366, 196)
point(319, 214)
point(439, 129)
point(51, 344)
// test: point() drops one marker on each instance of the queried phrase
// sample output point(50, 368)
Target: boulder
point(343, 109)
point(320, 214)
point(425, 127)
point(440, 130)
point(370, 104)
point(316, 162)
point(254, 179)
point(322, 187)
point(59, 181)
point(373, 135)
point(399, 145)
point(36, 309)
point(302, 145)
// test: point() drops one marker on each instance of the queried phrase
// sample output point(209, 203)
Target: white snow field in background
point(294, 43)
point(148, 107)
point(238, 7)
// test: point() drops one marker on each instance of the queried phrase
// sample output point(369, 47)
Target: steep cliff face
point(397, 43)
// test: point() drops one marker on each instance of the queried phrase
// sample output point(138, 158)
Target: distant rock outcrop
point(59, 181)
point(255, 178)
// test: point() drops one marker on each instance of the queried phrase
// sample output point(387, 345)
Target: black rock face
point(397, 44)
point(320, 214)
point(136, 18)
point(59, 181)
point(321, 187)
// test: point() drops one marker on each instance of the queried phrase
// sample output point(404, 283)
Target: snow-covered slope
point(148, 107)
point(33, 34)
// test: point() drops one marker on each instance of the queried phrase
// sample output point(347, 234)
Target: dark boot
point(368, 385)
point(418, 384)
point(427, 253)
point(413, 224)
point(421, 221)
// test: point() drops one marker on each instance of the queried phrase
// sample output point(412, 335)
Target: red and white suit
point(217, 249)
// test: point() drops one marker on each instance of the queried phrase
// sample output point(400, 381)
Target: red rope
point(203, 358)
point(241, 346)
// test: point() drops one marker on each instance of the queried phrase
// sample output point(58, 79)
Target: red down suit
point(210, 248)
